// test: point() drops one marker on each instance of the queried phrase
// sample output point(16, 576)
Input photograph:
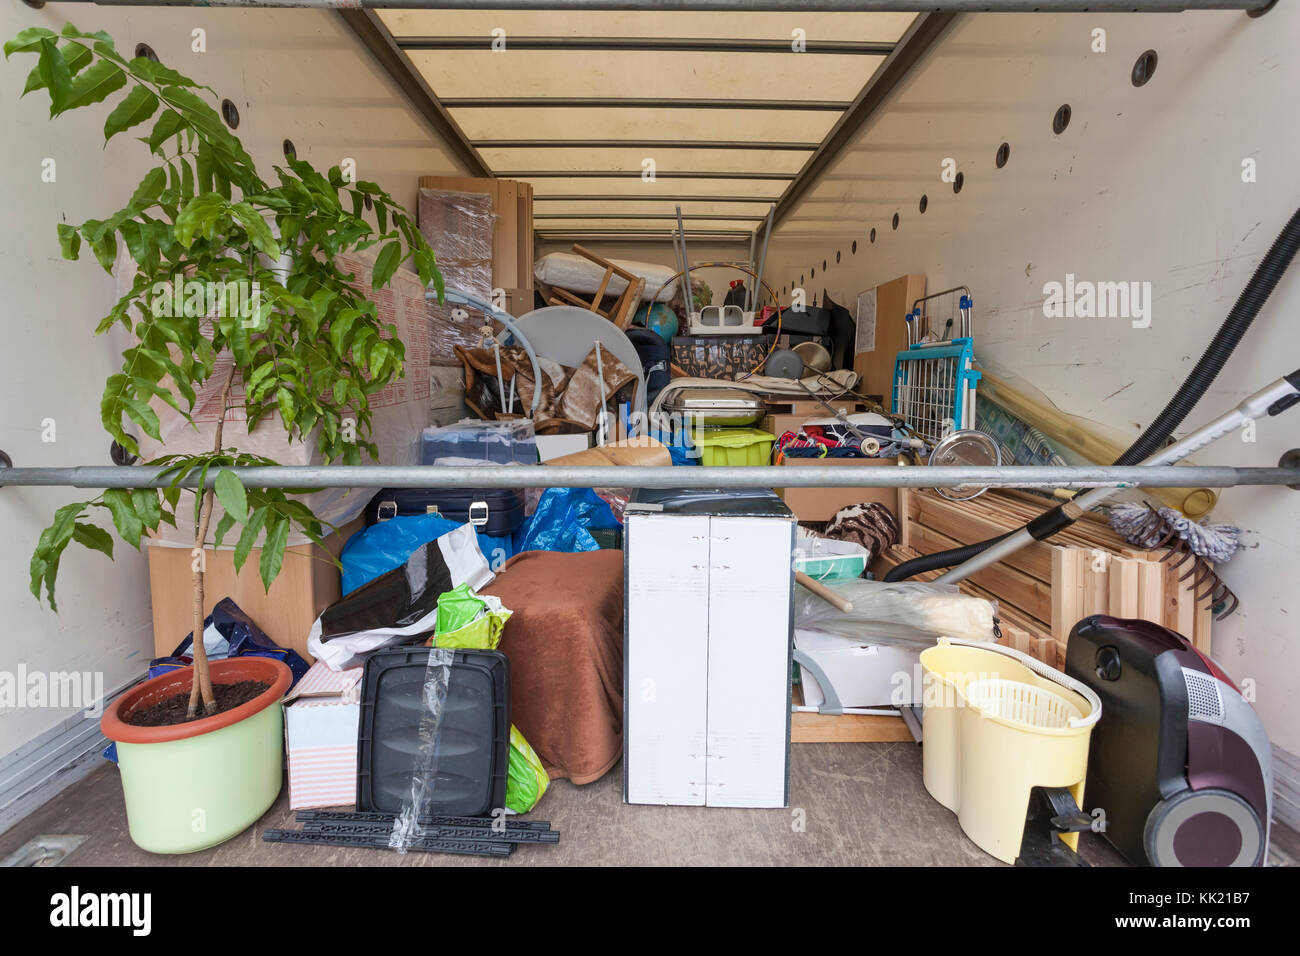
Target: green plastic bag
point(467, 620)
point(526, 781)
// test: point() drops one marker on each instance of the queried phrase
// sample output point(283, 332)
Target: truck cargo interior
point(708, 433)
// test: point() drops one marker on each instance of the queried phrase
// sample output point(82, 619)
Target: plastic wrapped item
point(903, 612)
point(424, 773)
point(379, 548)
point(527, 779)
point(400, 604)
point(469, 620)
point(401, 410)
point(578, 274)
point(500, 443)
point(826, 559)
point(564, 520)
point(458, 226)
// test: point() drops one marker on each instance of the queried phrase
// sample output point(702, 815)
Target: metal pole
point(686, 270)
point(765, 476)
point(762, 258)
point(733, 6)
point(753, 241)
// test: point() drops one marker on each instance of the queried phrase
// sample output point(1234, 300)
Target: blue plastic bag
point(379, 548)
point(563, 521)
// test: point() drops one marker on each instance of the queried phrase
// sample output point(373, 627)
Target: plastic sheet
point(902, 612)
point(563, 521)
point(380, 547)
point(437, 678)
point(576, 273)
point(458, 226)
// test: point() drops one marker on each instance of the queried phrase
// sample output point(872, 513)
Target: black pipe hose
point(1261, 285)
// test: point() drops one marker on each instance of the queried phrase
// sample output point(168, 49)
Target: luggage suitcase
point(492, 511)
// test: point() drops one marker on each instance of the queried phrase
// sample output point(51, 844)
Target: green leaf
point(69, 241)
point(28, 41)
point(138, 106)
point(224, 524)
point(94, 84)
point(93, 537)
point(168, 125)
point(259, 233)
point(146, 505)
point(252, 528)
point(149, 189)
point(128, 523)
point(386, 263)
point(55, 76)
point(199, 216)
point(144, 416)
point(285, 400)
point(74, 54)
point(231, 494)
point(273, 550)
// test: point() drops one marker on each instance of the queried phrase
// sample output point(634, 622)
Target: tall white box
point(707, 649)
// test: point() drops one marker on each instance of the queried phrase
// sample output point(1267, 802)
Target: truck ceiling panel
point(640, 74)
point(672, 159)
point(767, 189)
point(564, 122)
point(662, 207)
point(862, 27)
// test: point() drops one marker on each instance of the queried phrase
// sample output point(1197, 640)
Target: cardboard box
point(820, 504)
point(789, 417)
point(321, 717)
point(512, 228)
point(307, 584)
point(886, 336)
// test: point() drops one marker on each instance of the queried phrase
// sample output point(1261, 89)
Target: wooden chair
point(624, 307)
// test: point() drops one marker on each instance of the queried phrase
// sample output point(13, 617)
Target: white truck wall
point(293, 74)
point(1146, 184)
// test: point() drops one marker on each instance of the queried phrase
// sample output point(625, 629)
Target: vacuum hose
point(1252, 299)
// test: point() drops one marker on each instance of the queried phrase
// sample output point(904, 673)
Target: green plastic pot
point(191, 786)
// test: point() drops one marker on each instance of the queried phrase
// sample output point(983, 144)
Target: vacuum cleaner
point(1179, 763)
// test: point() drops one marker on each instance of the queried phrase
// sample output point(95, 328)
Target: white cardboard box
point(862, 673)
point(556, 446)
point(321, 716)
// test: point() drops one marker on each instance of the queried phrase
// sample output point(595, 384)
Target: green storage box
point(733, 446)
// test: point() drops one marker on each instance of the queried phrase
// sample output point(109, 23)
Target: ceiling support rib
point(614, 197)
point(913, 45)
point(633, 174)
point(370, 30)
point(632, 103)
point(648, 44)
point(642, 144)
point(641, 215)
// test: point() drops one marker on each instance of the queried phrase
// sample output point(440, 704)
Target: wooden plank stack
point(1047, 587)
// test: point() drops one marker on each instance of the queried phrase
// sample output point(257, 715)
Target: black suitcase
point(493, 511)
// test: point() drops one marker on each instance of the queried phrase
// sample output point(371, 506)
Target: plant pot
point(194, 785)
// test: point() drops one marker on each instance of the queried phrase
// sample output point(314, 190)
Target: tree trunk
point(202, 685)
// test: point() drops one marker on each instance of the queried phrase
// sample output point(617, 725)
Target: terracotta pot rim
point(277, 672)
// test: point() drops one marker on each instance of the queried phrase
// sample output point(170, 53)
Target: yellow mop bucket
point(998, 723)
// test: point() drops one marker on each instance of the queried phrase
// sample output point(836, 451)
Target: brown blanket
point(565, 644)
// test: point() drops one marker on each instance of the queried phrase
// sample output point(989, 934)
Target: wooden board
point(893, 301)
point(847, 729)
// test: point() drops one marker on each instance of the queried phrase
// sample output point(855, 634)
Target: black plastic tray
point(473, 746)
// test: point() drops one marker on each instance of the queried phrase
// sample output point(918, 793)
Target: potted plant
point(304, 343)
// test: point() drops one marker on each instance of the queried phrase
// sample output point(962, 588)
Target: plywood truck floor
point(864, 805)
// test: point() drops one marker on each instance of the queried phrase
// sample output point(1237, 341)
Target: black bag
point(493, 511)
point(655, 356)
point(842, 330)
point(810, 320)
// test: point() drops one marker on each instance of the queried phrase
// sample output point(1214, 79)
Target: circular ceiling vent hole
point(1062, 119)
point(895, 220)
point(145, 51)
point(837, 257)
point(370, 203)
point(925, 202)
point(801, 280)
point(812, 273)
point(1004, 154)
point(230, 114)
point(290, 150)
point(824, 266)
point(1145, 67)
point(959, 182)
point(853, 248)
point(873, 234)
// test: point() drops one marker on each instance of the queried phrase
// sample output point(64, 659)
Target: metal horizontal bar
point(614, 197)
point(639, 215)
point(650, 44)
point(633, 173)
point(637, 102)
point(642, 144)
point(731, 6)
point(766, 476)
point(642, 233)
